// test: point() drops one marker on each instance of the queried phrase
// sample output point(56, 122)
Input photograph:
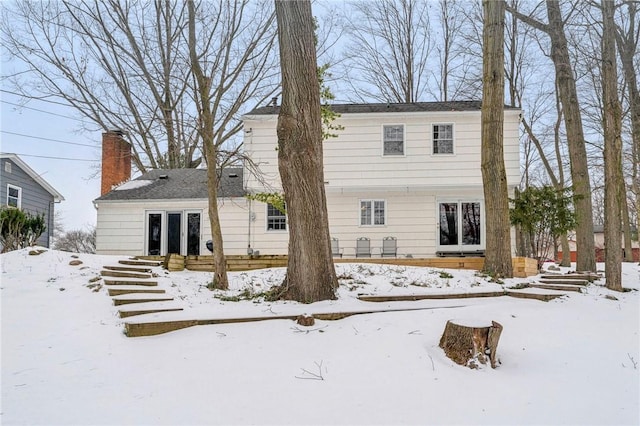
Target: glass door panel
point(174, 234)
point(154, 234)
point(193, 234)
point(471, 234)
point(448, 213)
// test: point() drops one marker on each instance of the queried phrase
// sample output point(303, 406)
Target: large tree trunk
point(310, 272)
point(494, 176)
point(613, 182)
point(586, 260)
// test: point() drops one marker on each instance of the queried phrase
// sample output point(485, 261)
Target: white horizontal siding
point(121, 225)
point(354, 159)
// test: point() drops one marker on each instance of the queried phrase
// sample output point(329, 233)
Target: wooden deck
point(522, 267)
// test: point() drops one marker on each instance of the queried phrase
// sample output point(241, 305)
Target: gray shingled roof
point(179, 184)
point(389, 107)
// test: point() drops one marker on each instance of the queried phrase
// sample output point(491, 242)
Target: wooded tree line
point(176, 76)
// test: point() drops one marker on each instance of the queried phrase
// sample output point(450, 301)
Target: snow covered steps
point(144, 269)
point(135, 262)
point(130, 281)
point(129, 298)
point(525, 293)
point(124, 274)
point(130, 289)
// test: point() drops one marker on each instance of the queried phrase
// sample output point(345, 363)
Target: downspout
point(249, 249)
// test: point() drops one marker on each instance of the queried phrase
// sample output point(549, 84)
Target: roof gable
point(57, 197)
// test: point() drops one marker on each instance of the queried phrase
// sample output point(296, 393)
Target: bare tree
point(573, 124)
point(612, 150)
point(494, 175)
point(115, 63)
point(77, 241)
point(390, 43)
point(310, 272)
point(237, 62)
point(627, 43)
point(126, 65)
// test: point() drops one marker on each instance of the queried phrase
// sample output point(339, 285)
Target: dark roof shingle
point(389, 107)
point(179, 184)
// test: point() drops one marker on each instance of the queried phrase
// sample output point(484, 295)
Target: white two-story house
point(407, 171)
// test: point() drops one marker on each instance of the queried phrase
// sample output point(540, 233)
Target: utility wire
point(47, 139)
point(56, 158)
point(35, 99)
point(41, 110)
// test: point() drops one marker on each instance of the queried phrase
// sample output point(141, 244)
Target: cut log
point(467, 343)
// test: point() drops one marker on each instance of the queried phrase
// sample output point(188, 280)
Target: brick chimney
point(116, 160)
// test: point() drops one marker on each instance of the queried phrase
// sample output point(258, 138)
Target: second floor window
point(14, 196)
point(372, 212)
point(393, 139)
point(443, 138)
point(276, 220)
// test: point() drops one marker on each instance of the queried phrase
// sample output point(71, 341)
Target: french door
point(460, 225)
point(172, 232)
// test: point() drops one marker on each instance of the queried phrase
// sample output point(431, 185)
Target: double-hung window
point(14, 196)
point(372, 212)
point(393, 139)
point(443, 138)
point(276, 220)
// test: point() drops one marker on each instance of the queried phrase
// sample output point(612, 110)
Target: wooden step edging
point(116, 291)
point(120, 274)
point(115, 282)
point(126, 314)
point(559, 287)
point(509, 292)
point(589, 277)
point(564, 281)
point(127, 301)
point(140, 263)
point(152, 328)
point(143, 269)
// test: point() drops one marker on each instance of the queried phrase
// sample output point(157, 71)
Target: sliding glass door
point(460, 226)
point(176, 232)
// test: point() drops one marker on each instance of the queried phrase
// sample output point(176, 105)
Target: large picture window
point(276, 220)
point(393, 139)
point(14, 196)
point(443, 138)
point(372, 212)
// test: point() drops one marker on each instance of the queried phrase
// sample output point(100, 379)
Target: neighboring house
point(598, 239)
point(408, 171)
point(21, 187)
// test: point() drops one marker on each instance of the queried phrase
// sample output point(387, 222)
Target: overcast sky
point(37, 132)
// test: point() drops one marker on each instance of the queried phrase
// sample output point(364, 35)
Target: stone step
point(129, 281)
point(122, 274)
point(564, 281)
point(560, 287)
point(140, 262)
point(128, 268)
point(117, 291)
point(139, 298)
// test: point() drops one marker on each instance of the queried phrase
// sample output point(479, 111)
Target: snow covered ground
point(65, 359)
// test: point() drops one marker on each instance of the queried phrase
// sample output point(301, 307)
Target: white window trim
point(404, 141)
point(9, 186)
point(453, 135)
point(266, 221)
point(372, 201)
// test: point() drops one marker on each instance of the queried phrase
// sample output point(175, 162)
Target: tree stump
point(305, 320)
point(468, 343)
